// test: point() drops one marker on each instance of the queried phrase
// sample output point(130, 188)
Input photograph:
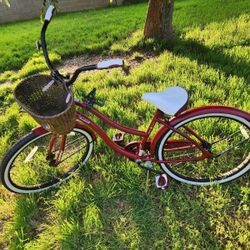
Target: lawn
point(94, 32)
point(111, 204)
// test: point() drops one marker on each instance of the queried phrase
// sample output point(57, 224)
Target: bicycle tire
point(12, 155)
point(187, 176)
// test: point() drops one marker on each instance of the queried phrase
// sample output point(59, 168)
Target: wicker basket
point(48, 101)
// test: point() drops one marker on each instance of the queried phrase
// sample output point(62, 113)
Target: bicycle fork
point(50, 154)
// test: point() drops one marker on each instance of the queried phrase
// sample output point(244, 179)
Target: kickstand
point(149, 169)
point(161, 180)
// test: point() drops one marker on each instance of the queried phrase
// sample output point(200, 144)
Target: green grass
point(112, 204)
point(69, 34)
point(95, 31)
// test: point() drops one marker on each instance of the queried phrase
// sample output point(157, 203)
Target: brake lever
point(92, 93)
point(90, 96)
point(99, 103)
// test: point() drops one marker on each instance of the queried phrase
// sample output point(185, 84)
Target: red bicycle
point(199, 146)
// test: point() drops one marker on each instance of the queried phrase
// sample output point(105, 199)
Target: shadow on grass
point(30, 214)
point(149, 218)
point(213, 57)
point(186, 215)
point(168, 218)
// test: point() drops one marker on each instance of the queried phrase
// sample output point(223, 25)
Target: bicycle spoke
point(32, 167)
point(230, 148)
point(183, 156)
point(72, 142)
point(74, 153)
point(226, 138)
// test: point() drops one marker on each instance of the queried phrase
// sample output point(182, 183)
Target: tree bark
point(159, 19)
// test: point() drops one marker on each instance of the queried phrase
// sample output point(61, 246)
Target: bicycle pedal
point(118, 138)
point(162, 181)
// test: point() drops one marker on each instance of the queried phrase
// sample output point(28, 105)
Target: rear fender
point(196, 112)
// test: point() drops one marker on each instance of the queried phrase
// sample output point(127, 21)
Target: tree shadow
point(213, 57)
point(166, 216)
point(30, 214)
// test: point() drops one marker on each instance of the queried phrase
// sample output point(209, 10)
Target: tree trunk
point(159, 19)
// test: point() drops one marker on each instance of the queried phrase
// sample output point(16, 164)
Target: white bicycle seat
point(170, 101)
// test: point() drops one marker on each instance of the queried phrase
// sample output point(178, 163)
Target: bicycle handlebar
point(49, 13)
point(55, 73)
point(48, 16)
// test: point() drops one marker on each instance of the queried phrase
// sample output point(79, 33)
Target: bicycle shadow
point(140, 215)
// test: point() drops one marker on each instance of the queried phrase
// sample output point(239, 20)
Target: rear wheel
point(226, 136)
point(26, 169)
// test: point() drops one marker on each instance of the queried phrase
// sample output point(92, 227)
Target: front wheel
point(27, 169)
point(226, 136)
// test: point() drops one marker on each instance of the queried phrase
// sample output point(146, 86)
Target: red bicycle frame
point(146, 147)
point(145, 144)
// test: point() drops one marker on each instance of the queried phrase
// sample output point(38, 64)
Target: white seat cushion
point(169, 101)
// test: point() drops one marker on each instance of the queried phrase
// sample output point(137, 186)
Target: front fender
point(196, 112)
point(80, 124)
point(39, 131)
